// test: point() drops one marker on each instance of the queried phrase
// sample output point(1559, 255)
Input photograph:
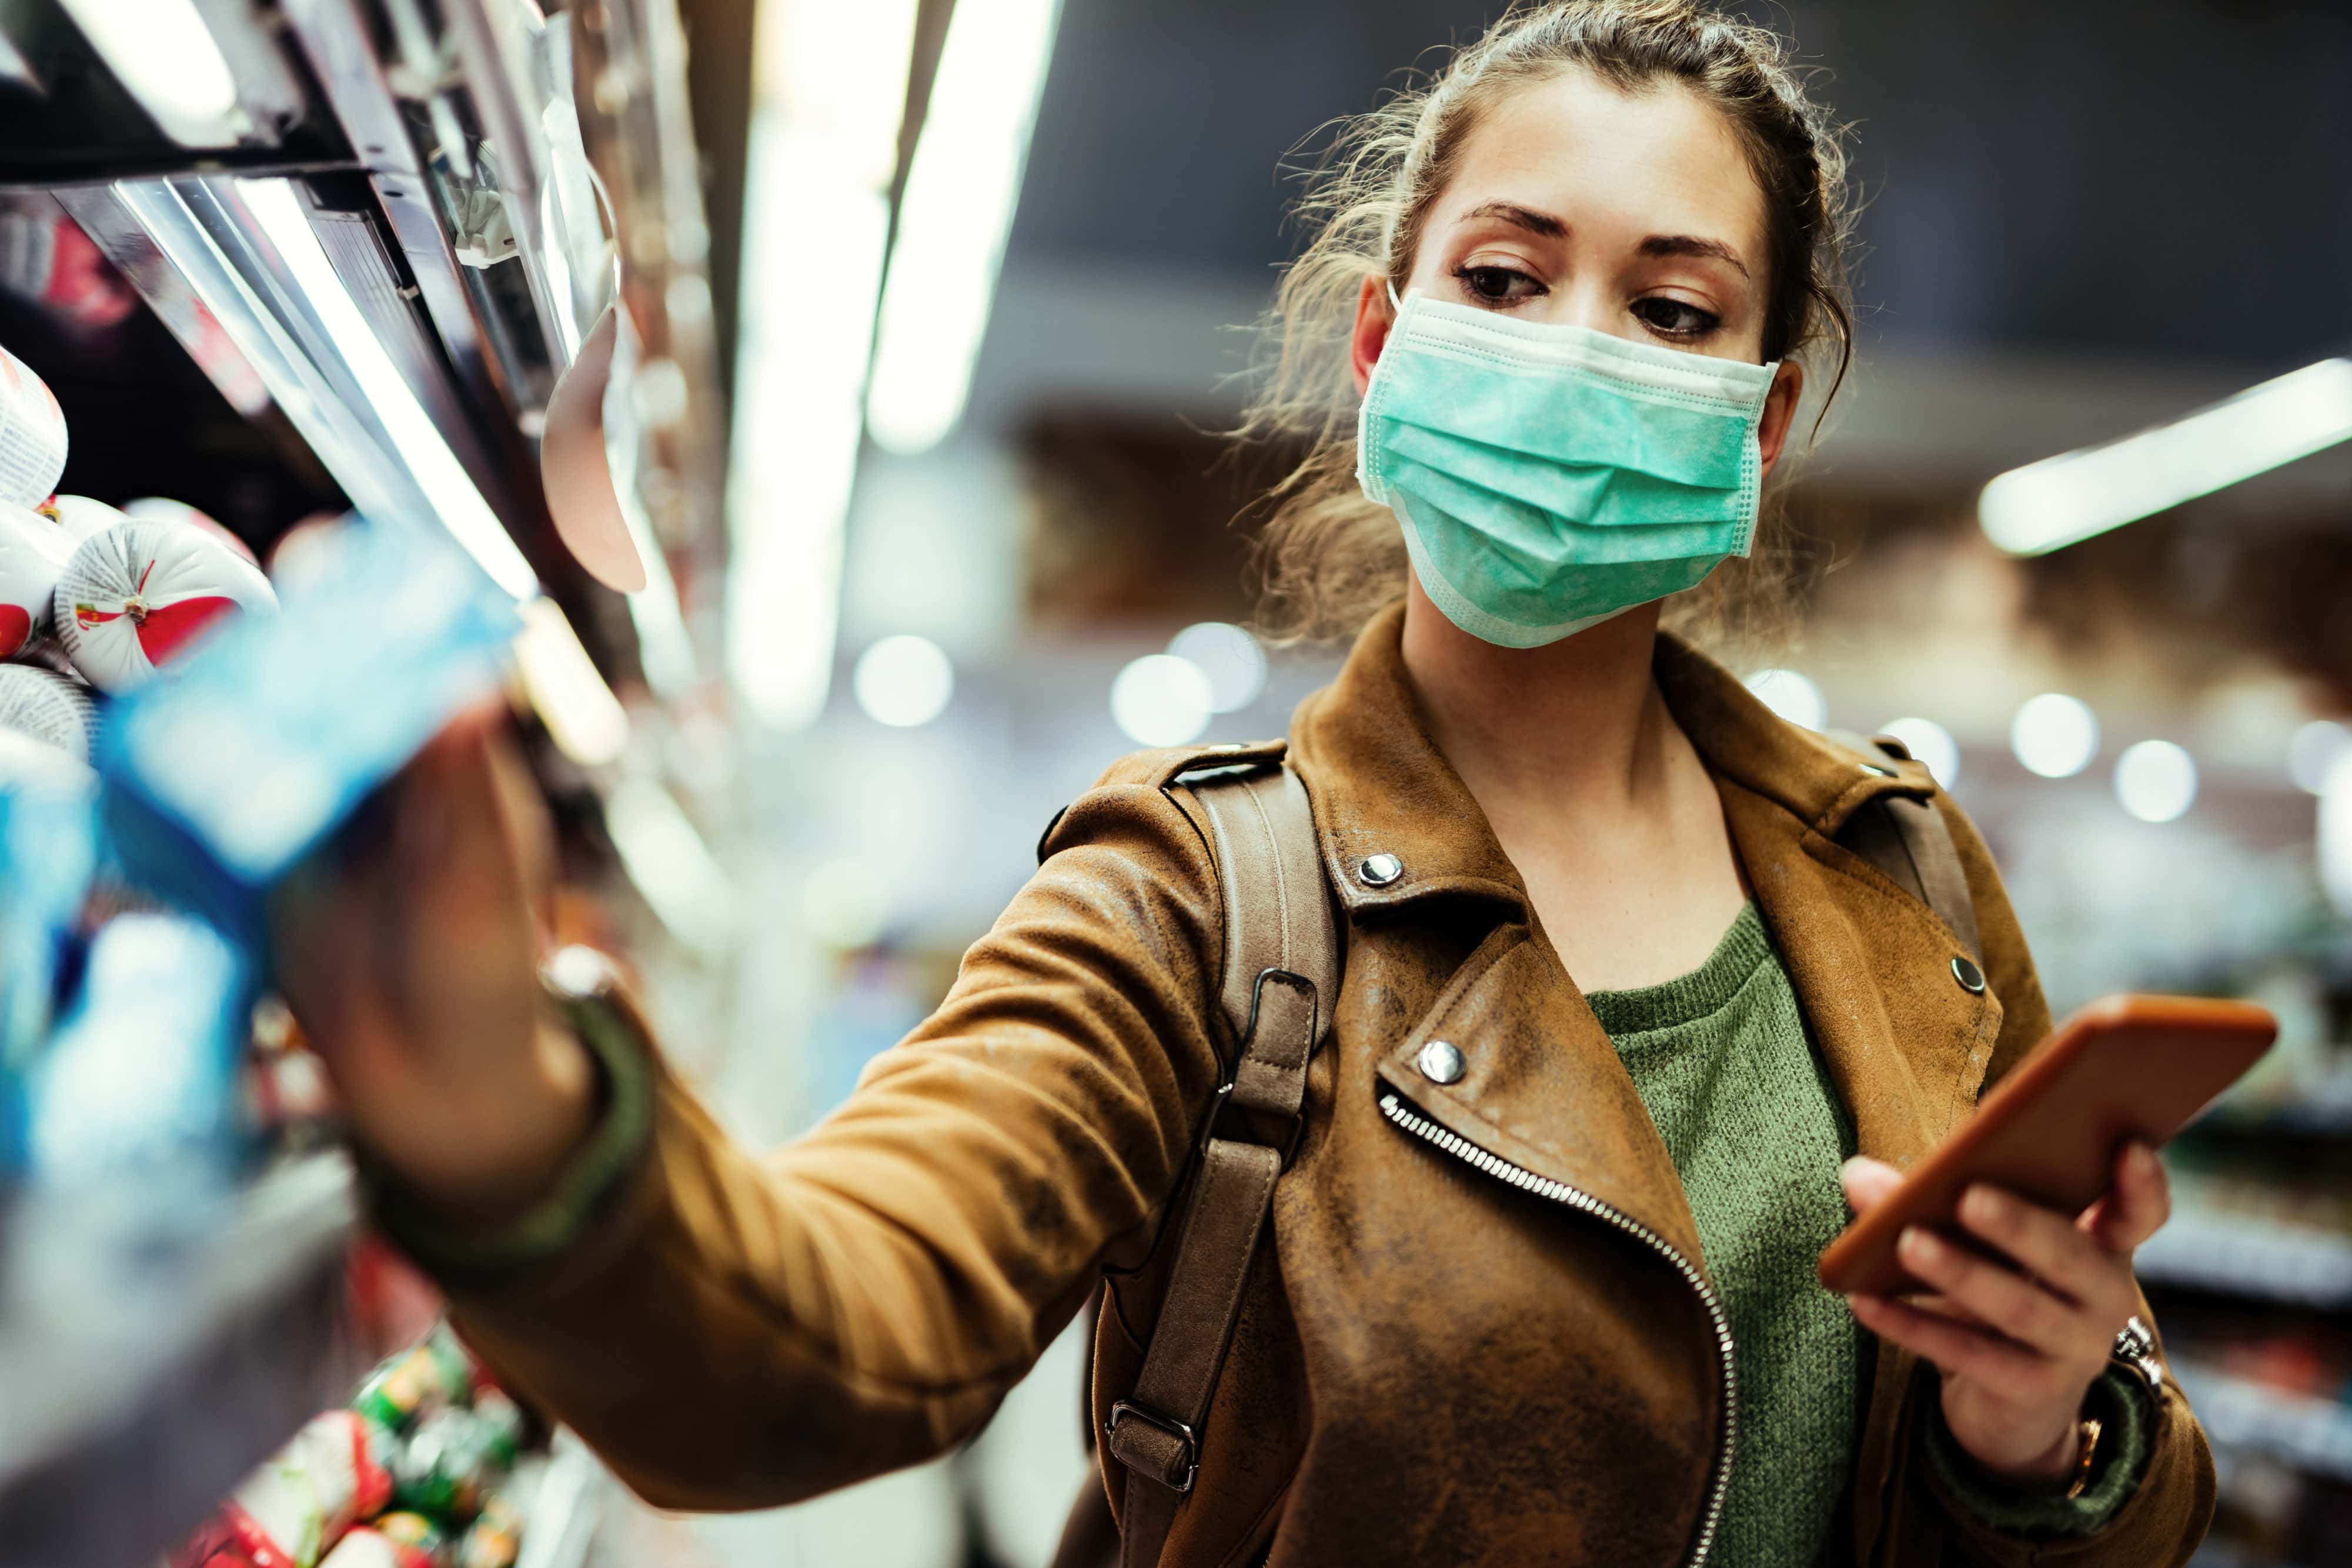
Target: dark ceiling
point(2165, 179)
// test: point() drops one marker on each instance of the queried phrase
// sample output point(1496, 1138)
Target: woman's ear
point(1373, 320)
point(1780, 408)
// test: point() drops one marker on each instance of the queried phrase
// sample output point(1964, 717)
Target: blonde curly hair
point(1328, 559)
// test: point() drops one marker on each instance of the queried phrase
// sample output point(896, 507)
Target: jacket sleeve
point(2161, 1523)
point(738, 1332)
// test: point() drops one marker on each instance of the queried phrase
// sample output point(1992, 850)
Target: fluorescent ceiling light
point(832, 84)
point(416, 443)
point(954, 218)
point(164, 57)
point(2071, 496)
point(582, 716)
point(670, 864)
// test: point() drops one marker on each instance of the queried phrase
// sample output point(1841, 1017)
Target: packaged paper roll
point(163, 509)
point(48, 708)
point(34, 551)
point(32, 435)
point(33, 766)
point(136, 595)
point(80, 516)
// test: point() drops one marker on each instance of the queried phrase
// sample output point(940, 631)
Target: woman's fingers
point(2043, 1241)
point(2137, 1207)
point(1959, 1349)
point(1867, 1182)
point(2016, 1307)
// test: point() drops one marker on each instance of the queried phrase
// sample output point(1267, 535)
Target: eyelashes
point(1504, 288)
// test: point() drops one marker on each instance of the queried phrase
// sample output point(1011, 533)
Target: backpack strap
point(1908, 838)
point(1281, 976)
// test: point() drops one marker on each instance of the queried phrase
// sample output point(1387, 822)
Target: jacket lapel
point(1542, 1085)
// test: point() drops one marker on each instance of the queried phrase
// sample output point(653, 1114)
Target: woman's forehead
point(1656, 160)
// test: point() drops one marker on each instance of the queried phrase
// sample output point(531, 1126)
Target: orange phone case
point(2128, 1067)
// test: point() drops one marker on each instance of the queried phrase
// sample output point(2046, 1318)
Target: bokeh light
point(2055, 735)
point(1161, 700)
point(2156, 780)
point(1793, 696)
point(903, 681)
point(1931, 743)
point(1229, 656)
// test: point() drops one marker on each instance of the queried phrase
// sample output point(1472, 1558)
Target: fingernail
point(1917, 1242)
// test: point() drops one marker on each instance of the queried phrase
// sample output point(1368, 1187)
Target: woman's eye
point(1498, 284)
point(1676, 318)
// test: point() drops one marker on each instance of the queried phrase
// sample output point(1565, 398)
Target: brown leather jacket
point(1430, 1365)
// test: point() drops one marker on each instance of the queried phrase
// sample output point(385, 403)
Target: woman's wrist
point(498, 1153)
point(2054, 1468)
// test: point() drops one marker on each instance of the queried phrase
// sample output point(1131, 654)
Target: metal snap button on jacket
point(1378, 871)
point(1440, 1061)
point(1971, 977)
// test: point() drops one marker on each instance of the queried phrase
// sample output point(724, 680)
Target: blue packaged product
point(49, 853)
point(140, 1075)
point(221, 777)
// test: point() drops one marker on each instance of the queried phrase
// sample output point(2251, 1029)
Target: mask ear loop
point(1396, 306)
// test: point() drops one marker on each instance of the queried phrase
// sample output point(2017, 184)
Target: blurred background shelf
point(140, 1388)
point(2237, 1255)
point(2314, 1435)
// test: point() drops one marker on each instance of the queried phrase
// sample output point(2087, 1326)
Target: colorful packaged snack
point(448, 1465)
point(417, 1382)
point(410, 1529)
point(494, 1540)
point(300, 1503)
point(371, 1548)
point(500, 1419)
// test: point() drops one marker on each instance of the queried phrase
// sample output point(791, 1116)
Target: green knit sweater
point(1722, 1059)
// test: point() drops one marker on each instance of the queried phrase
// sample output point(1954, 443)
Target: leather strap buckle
point(1245, 1126)
point(1255, 1120)
point(1188, 1449)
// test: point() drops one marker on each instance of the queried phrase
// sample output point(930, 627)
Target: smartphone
point(2125, 1067)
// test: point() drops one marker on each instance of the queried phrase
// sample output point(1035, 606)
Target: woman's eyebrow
point(1692, 244)
point(1527, 218)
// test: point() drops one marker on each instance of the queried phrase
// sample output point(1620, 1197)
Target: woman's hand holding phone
point(2023, 1322)
point(409, 952)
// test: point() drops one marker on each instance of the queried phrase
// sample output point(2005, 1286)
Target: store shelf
point(2208, 1249)
point(140, 1388)
point(2311, 1433)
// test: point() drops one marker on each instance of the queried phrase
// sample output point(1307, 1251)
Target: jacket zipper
point(1405, 1116)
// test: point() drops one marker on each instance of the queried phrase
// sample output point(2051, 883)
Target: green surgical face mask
point(1550, 478)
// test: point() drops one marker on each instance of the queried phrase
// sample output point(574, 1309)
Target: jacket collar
point(1381, 787)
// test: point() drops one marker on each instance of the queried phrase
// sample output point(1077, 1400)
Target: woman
point(1601, 936)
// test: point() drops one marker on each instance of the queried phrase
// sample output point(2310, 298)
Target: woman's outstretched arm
point(735, 1330)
